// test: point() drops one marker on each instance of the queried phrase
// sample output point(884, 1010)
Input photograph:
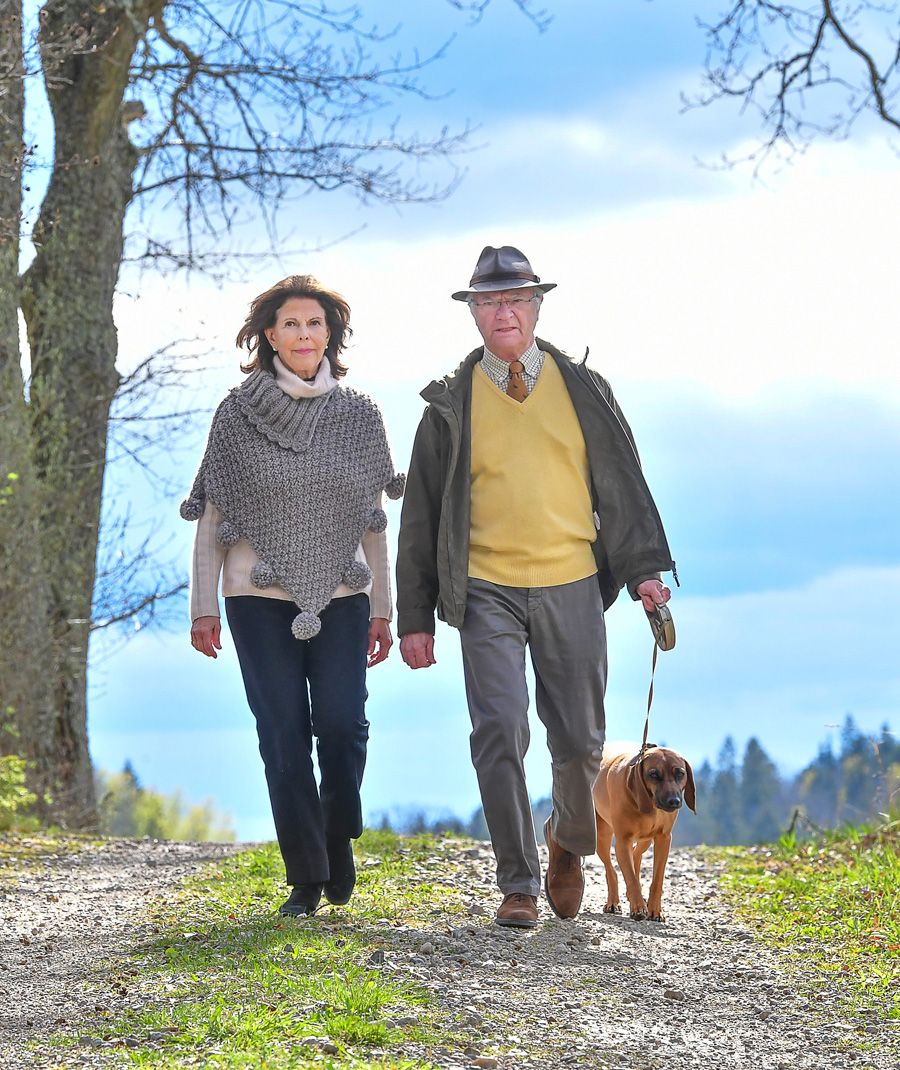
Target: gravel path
point(604, 991)
point(597, 991)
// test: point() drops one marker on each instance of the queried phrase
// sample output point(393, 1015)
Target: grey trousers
point(565, 630)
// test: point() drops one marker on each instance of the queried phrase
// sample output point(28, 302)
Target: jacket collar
point(456, 385)
point(452, 390)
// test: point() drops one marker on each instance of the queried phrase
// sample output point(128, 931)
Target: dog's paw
point(612, 908)
point(639, 915)
point(657, 917)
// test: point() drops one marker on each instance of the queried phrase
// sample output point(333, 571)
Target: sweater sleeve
point(375, 548)
point(206, 565)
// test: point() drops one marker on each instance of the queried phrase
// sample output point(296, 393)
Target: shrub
point(14, 795)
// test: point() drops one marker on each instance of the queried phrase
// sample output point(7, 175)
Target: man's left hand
point(380, 641)
point(653, 593)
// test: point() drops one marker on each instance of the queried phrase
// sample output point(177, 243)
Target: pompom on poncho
point(297, 479)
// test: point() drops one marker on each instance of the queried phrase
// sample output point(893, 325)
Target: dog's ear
point(690, 792)
point(637, 787)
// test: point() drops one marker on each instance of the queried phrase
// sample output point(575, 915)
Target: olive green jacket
point(433, 552)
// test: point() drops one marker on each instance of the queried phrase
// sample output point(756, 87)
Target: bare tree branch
point(154, 407)
point(539, 16)
point(142, 611)
point(806, 70)
point(251, 98)
point(122, 594)
point(218, 263)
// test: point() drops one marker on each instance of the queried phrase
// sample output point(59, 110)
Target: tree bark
point(24, 699)
point(86, 51)
point(12, 148)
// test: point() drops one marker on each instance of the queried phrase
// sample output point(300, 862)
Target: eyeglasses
point(515, 304)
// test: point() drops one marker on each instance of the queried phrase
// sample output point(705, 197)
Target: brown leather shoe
point(518, 910)
point(564, 883)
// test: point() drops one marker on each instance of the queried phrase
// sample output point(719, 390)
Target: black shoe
point(340, 884)
point(304, 899)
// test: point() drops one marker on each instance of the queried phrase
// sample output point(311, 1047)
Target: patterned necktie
point(517, 387)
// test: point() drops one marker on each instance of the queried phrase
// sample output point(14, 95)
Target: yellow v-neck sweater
point(532, 523)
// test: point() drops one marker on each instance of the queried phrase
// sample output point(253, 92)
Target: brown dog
point(637, 800)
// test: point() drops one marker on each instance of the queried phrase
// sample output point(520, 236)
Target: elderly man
point(525, 513)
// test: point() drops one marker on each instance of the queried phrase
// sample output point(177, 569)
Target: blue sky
point(746, 326)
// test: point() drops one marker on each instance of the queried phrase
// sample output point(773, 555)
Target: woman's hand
point(380, 641)
point(205, 635)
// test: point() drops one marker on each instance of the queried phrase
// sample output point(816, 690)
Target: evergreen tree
point(859, 779)
point(729, 825)
point(817, 787)
point(477, 827)
point(752, 803)
point(761, 795)
point(887, 751)
point(700, 827)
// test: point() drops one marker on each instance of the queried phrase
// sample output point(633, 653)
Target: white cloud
point(513, 143)
point(736, 294)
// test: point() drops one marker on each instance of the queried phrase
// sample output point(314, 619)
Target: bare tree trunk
point(86, 51)
point(24, 646)
point(12, 120)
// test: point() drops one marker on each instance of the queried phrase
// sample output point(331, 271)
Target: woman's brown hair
point(263, 314)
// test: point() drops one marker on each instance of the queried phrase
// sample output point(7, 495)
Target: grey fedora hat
point(506, 268)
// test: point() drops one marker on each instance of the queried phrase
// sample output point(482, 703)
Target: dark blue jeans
point(298, 689)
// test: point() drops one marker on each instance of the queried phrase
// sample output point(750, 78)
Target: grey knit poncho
point(297, 479)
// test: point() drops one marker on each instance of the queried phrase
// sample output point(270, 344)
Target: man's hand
point(417, 650)
point(380, 641)
point(653, 593)
point(205, 635)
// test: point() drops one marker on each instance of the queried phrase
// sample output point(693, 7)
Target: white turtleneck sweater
point(212, 560)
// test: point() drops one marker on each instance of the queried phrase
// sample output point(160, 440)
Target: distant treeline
point(127, 808)
point(746, 800)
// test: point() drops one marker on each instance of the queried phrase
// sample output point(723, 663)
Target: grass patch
point(224, 981)
point(835, 902)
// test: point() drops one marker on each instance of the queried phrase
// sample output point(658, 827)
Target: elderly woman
point(288, 499)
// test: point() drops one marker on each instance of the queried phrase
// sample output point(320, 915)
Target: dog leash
point(663, 628)
point(644, 745)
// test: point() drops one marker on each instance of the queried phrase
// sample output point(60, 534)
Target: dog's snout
point(670, 803)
